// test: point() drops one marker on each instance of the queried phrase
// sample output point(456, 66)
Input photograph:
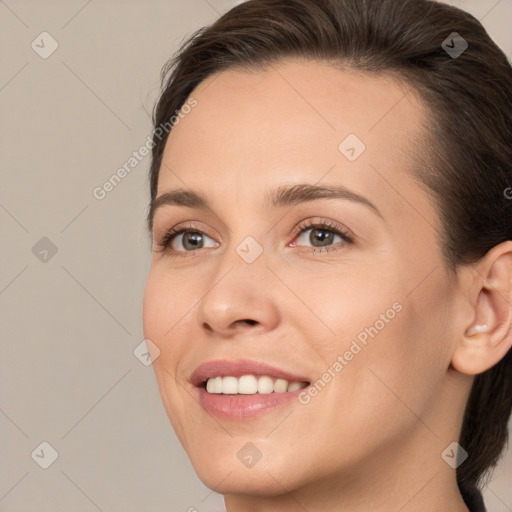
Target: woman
point(330, 290)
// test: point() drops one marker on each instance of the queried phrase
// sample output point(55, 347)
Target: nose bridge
point(245, 253)
point(241, 268)
point(239, 289)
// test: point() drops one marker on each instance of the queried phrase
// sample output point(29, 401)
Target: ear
point(488, 336)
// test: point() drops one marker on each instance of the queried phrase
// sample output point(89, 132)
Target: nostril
point(250, 322)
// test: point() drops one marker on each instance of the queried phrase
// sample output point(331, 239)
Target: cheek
point(165, 306)
point(164, 309)
point(346, 306)
point(399, 373)
point(386, 347)
point(152, 310)
point(376, 399)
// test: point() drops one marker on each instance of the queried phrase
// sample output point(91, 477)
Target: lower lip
point(242, 407)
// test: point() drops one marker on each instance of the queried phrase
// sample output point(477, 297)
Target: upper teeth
point(250, 384)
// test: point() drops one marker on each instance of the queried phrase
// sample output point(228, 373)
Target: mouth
point(243, 389)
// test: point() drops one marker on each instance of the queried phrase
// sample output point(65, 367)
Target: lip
point(242, 407)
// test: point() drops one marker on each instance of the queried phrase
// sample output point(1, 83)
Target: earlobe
point(488, 338)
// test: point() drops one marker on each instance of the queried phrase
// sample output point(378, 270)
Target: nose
point(240, 298)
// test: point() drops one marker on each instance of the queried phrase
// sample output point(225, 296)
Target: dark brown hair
point(466, 154)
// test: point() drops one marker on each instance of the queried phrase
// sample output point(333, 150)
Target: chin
point(225, 473)
point(244, 481)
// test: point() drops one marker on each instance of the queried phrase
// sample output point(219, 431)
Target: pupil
point(320, 235)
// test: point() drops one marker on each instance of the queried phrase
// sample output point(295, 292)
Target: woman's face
point(312, 251)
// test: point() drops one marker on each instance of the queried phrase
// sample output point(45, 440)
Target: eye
point(185, 239)
point(322, 235)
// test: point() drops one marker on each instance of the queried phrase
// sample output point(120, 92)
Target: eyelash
point(299, 230)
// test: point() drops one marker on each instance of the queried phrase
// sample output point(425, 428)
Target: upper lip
point(239, 367)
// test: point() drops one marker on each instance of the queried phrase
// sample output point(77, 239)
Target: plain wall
point(70, 321)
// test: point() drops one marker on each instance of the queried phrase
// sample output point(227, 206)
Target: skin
point(372, 439)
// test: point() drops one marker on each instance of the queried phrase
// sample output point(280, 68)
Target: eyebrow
point(285, 195)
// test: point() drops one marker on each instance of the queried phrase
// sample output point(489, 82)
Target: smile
point(244, 389)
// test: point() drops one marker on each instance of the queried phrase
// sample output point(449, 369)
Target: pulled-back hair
point(466, 154)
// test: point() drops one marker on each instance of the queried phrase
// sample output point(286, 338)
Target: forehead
point(299, 121)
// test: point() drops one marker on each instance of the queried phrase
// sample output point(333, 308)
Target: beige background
point(70, 324)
